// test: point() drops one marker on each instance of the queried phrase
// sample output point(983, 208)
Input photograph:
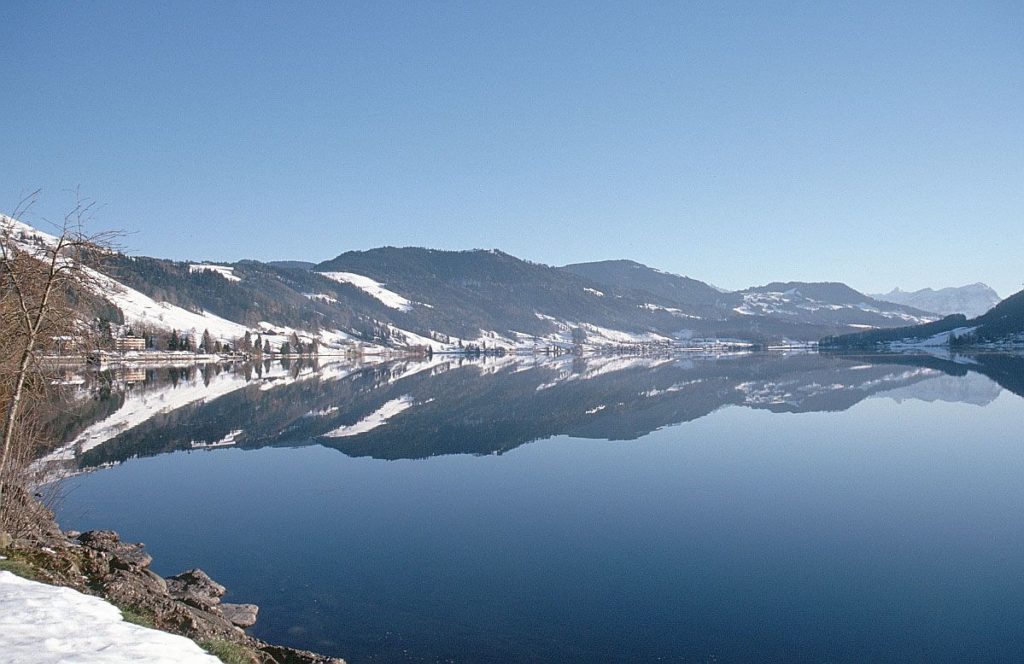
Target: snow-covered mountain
point(971, 300)
point(1002, 325)
point(446, 300)
point(827, 303)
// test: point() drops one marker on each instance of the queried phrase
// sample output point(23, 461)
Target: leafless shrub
point(42, 276)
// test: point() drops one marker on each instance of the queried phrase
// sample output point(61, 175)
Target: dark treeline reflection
point(451, 405)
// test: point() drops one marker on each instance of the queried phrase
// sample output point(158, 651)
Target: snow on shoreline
point(42, 624)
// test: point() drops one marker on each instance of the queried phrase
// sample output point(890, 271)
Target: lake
point(781, 507)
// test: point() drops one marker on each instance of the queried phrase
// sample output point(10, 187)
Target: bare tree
point(42, 277)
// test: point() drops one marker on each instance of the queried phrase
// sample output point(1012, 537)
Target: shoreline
point(188, 604)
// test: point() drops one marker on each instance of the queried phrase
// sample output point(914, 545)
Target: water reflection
point(884, 532)
point(454, 405)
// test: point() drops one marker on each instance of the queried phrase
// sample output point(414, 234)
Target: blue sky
point(879, 144)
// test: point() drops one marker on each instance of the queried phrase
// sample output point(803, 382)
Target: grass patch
point(228, 652)
point(19, 567)
point(136, 617)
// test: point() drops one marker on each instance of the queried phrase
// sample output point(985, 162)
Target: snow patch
point(672, 310)
point(375, 419)
point(605, 336)
point(323, 297)
point(42, 624)
point(223, 270)
point(371, 287)
point(226, 441)
point(940, 339)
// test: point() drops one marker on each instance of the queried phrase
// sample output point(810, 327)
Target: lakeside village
point(131, 344)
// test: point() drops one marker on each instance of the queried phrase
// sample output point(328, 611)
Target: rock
point(158, 581)
point(133, 558)
point(104, 537)
point(5, 541)
point(195, 587)
point(122, 555)
point(243, 615)
point(131, 589)
point(72, 534)
point(284, 655)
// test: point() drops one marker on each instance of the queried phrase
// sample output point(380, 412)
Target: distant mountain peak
point(971, 300)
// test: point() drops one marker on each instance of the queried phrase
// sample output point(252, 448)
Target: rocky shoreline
point(97, 562)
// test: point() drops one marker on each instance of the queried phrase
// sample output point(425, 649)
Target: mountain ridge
point(404, 297)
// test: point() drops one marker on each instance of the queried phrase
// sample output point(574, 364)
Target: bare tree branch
point(40, 277)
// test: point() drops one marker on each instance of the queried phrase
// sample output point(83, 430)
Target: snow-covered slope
point(42, 624)
point(137, 307)
point(374, 288)
point(140, 308)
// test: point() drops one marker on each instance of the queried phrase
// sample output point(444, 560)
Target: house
point(125, 344)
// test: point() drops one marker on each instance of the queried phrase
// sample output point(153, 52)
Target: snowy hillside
point(457, 300)
point(140, 308)
point(827, 304)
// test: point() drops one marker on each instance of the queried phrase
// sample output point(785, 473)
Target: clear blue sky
point(879, 144)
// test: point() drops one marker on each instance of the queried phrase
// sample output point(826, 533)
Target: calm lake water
point(763, 507)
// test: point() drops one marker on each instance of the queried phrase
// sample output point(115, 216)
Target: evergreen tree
point(579, 336)
point(266, 347)
point(172, 343)
point(207, 342)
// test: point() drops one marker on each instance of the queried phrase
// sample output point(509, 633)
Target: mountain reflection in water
point(832, 508)
point(452, 405)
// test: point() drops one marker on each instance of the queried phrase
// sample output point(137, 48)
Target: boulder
point(122, 555)
point(195, 587)
point(243, 615)
point(99, 539)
